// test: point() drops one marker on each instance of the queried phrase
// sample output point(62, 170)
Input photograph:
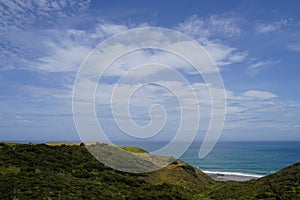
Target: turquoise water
point(240, 158)
point(256, 158)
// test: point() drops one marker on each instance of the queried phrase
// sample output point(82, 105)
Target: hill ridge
point(43, 171)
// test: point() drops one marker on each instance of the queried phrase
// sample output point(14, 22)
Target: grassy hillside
point(69, 171)
point(285, 184)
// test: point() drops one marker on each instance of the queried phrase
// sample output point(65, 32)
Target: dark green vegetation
point(43, 171)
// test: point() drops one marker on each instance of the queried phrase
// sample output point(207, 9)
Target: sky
point(254, 44)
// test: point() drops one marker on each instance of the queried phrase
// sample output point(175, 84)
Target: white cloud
point(66, 45)
point(16, 14)
point(257, 66)
point(203, 30)
point(107, 29)
point(225, 25)
point(50, 49)
point(270, 27)
point(67, 58)
point(253, 109)
point(64, 50)
point(259, 94)
point(294, 47)
point(222, 54)
point(214, 25)
point(157, 58)
point(175, 97)
point(54, 50)
point(257, 110)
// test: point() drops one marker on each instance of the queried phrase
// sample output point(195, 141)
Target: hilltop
point(69, 171)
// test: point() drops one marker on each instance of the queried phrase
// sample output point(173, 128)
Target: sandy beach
point(227, 176)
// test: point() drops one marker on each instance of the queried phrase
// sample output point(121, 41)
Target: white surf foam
point(233, 174)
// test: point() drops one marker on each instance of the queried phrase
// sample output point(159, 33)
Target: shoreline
point(231, 176)
point(216, 175)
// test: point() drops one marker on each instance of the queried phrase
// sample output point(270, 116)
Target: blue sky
point(255, 45)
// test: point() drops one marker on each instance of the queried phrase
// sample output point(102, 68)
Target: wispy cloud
point(32, 49)
point(207, 32)
point(63, 50)
point(252, 109)
point(215, 25)
point(270, 27)
point(66, 58)
point(55, 52)
point(259, 94)
point(222, 54)
point(16, 14)
point(257, 110)
point(257, 66)
point(294, 47)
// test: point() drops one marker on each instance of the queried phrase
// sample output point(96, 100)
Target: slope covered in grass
point(71, 172)
point(40, 171)
point(284, 184)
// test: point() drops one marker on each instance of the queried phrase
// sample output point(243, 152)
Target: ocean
point(254, 159)
point(245, 158)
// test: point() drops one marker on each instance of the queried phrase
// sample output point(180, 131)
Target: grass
point(10, 169)
point(69, 171)
point(133, 149)
point(62, 143)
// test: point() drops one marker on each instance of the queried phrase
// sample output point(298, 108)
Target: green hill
point(67, 171)
point(285, 184)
